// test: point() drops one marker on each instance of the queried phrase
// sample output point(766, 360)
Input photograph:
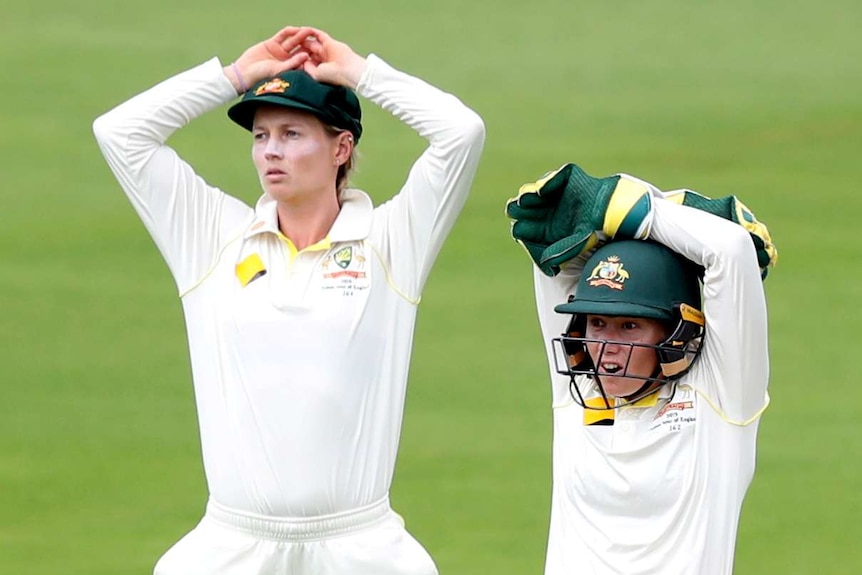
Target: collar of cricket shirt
point(600, 416)
point(664, 393)
point(352, 223)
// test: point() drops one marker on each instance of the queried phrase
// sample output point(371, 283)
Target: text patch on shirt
point(345, 271)
point(675, 416)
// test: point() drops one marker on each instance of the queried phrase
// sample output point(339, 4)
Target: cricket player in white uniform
point(300, 311)
point(657, 390)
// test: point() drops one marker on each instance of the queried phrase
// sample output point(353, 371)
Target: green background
point(100, 469)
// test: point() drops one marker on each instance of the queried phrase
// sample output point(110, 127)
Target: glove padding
point(730, 208)
point(567, 213)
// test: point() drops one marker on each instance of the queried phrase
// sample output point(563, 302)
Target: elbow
point(474, 128)
point(734, 256)
point(467, 128)
point(732, 239)
point(104, 128)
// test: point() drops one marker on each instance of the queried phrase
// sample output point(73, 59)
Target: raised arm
point(186, 217)
point(551, 292)
point(421, 216)
point(413, 225)
point(561, 218)
point(733, 369)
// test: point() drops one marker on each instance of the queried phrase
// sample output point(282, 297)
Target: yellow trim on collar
point(322, 245)
point(647, 401)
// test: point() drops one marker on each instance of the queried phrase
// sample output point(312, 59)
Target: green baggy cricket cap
point(637, 279)
point(333, 105)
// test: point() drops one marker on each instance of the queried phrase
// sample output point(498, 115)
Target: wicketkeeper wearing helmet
point(654, 317)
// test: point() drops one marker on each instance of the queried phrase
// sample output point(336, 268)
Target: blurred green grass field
point(100, 468)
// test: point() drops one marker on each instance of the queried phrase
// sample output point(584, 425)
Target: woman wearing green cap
point(299, 311)
point(658, 380)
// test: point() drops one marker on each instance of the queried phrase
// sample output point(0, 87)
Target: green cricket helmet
point(634, 279)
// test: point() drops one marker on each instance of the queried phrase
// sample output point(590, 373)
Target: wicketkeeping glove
point(567, 213)
point(730, 208)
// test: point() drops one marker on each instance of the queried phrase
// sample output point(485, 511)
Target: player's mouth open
point(611, 368)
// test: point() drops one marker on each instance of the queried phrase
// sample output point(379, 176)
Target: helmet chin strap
point(654, 380)
point(650, 386)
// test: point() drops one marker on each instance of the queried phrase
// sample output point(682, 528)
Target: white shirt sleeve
point(415, 222)
point(551, 292)
point(187, 218)
point(733, 368)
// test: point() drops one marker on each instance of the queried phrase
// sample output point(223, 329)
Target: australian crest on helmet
point(610, 273)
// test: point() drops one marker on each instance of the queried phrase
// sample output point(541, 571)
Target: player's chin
point(620, 386)
point(279, 191)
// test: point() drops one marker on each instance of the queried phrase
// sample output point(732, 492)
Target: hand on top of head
point(565, 215)
point(331, 61)
point(300, 47)
point(275, 55)
point(731, 208)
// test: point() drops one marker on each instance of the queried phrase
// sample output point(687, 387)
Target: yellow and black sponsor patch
point(691, 314)
point(250, 269)
point(601, 413)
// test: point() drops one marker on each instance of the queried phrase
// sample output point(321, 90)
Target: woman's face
point(615, 361)
point(296, 158)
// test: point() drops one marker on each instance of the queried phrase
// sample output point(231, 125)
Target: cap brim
point(243, 111)
point(612, 308)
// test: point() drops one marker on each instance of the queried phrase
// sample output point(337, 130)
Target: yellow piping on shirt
point(203, 278)
point(414, 301)
point(726, 419)
point(323, 244)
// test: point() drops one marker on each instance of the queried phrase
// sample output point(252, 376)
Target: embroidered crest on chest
point(344, 270)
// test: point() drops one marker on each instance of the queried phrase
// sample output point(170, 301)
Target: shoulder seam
point(183, 293)
point(388, 276)
point(727, 419)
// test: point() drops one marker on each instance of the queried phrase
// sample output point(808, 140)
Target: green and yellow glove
point(730, 208)
point(567, 213)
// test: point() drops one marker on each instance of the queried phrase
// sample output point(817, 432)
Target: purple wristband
point(236, 73)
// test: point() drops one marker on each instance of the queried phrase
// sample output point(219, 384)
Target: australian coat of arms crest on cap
point(609, 273)
point(274, 86)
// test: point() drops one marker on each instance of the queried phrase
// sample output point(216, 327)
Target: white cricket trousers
point(366, 541)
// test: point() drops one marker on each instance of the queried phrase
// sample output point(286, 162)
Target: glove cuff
point(629, 212)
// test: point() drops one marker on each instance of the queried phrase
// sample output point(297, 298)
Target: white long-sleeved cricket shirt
point(659, 491)
point(299, 360)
